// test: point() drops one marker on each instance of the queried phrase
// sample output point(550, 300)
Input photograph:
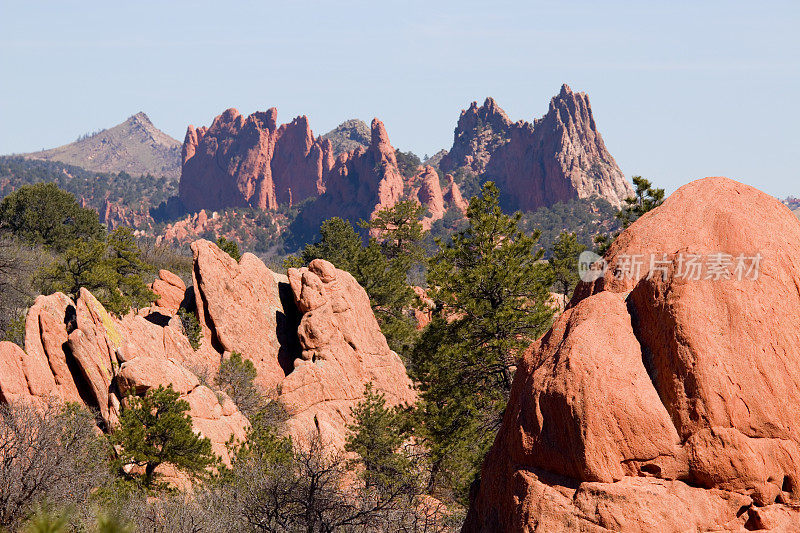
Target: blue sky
point(680, 90)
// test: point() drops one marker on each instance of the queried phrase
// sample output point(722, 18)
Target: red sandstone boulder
point(663, 381)
point(240, 310)
point(13, 384)
point(557, 158)
point(343, 349)
point(170, 290)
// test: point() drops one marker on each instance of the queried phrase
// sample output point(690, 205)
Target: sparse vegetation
point(191, 327)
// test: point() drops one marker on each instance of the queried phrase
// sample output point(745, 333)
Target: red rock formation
point(251, 162)
point(452, 195)
point(557, 158)
point(428, 192)
point(240, 310)
point(314, 341)
point(13, 383)
point(360, 183)
point(170, 290)
point(662, 402)
point(343, 349)
point(479, 132)
point(114, 213)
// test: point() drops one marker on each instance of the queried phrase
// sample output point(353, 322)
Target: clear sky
point(680, 90)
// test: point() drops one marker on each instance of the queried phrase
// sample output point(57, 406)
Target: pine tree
point(376, 436)
point(339, 243)
point(44, 214)
point(645, 199)
point(492, 297)
point(229, 247)
point(399, 230)
point(112, 269)
point(564, 262)
point(155, 429)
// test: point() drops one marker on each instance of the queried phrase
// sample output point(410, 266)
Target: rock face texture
point(428, 192)
point(76, 351)
point(663, 400)
point(240, 310)
point(171, 290)
point(426, 189)
point(360, 183)
point(312, 337)
point(556, 158)
point(252, 162)
point(343, 349)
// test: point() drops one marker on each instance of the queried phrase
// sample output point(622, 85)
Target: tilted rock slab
point(663, 402)
point(312, 336)
point(78, 352)
point(240, 310)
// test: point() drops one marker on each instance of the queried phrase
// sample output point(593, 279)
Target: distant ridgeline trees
point(72, 249)
point(139, 193)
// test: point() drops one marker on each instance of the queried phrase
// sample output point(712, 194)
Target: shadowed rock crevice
point(287, 323)
point(158, 318)
point(84, 388)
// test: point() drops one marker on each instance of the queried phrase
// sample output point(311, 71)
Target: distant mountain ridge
point(348, 136)
point(135, 146)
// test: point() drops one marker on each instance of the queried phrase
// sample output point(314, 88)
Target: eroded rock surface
point(557, 158)
point(343, 349)
point(312, 337)
point(252, 162)
point(661, 401)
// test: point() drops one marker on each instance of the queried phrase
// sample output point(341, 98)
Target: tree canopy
point(564, 263)
point(44, 214)
point(492, 298)
point(156, 429)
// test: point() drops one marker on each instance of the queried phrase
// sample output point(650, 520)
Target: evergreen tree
point(564, 262)
point(229, 247)
point(492, 295)
point(44, 214)
point(155, 429)
point(400, 232)
point(376, 436)
point(124, 260)
point(236, 376)
point(338, 243)
point(645, 199)
point(112, 270)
